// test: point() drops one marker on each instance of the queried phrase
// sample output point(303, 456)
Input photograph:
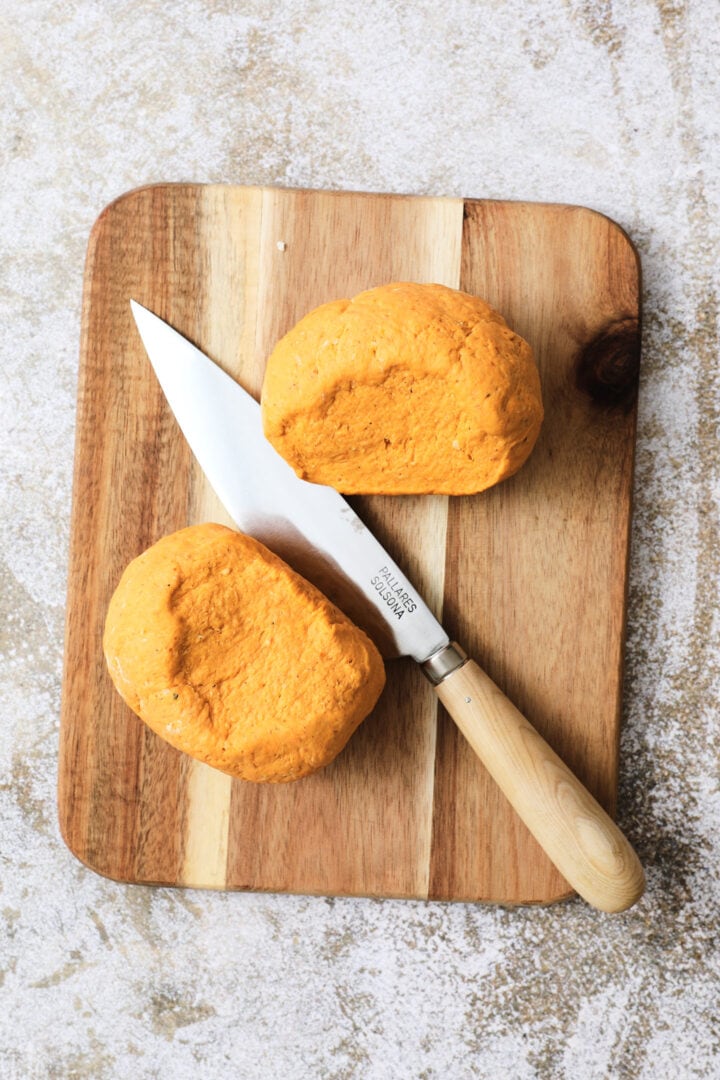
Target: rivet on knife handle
point(576, 833)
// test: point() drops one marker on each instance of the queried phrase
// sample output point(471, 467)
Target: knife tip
point(144, 317)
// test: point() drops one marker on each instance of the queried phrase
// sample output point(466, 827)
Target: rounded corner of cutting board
point(122, 202)
point(82, 856)
point(613, 227)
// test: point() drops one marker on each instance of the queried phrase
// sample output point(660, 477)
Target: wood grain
point(536, 568)
point(531, 576)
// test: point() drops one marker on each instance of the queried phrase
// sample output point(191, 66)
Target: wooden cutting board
point(530, 577)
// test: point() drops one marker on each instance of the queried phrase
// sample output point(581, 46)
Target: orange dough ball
point(406, 389)
point(236, 660)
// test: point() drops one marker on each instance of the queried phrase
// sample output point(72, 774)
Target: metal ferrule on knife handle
point(443, 662)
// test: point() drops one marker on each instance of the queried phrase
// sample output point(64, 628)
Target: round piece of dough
point(406, 389)
point(233, 658)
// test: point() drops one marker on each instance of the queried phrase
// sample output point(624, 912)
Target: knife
point(318, 533)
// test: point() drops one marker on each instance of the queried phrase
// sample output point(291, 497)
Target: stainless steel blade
point(310, 526)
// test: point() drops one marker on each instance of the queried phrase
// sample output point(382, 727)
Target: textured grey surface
point(611, 105)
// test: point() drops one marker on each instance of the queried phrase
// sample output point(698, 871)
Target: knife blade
point(318, 533)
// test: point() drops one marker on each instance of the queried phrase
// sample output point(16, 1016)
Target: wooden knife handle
point(580, 838)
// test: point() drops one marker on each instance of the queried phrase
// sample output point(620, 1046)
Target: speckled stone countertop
point(610, 105)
